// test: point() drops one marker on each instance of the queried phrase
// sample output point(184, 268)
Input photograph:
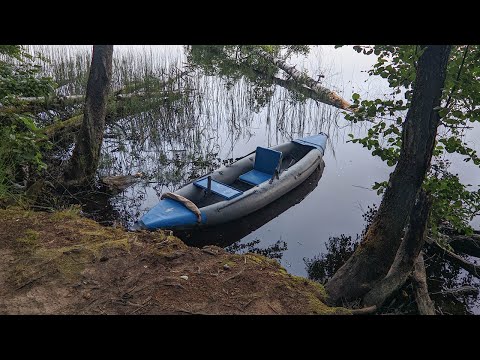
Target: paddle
point(244, 156)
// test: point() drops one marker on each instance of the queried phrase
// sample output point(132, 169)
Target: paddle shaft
point(244, 156)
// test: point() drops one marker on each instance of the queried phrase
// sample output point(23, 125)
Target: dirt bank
point(63, 263)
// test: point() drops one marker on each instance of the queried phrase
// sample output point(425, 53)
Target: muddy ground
point(63, 263)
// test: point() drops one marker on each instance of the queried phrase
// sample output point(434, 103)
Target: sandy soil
point(63, 263)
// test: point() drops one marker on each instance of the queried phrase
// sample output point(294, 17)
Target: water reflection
point(193, 132)
point(442, 276)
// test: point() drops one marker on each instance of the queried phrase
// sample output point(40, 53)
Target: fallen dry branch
point(425, 305)
point(364, 311)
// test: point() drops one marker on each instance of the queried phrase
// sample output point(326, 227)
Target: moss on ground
point(58, 248)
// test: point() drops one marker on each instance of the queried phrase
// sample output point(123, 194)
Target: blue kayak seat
point(218, 188)
point(267, 161)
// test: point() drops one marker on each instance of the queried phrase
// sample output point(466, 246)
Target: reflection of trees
point(274, 251)
point(338, 249)
point(442, 276)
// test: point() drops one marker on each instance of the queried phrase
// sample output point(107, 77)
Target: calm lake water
point(215, 123)
point(229, 128)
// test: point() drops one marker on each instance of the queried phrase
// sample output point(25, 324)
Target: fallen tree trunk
point(327, 96)
point(43, 99)
point(293, 86)
point(425, 305)
point(115, 110)
point(36, 105)
point(118, 94)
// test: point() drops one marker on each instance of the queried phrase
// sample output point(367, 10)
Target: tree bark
point(425, 305)
point(406, 256)
point(84, 161)
point(375, 254)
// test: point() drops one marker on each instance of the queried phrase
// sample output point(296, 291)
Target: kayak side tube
point(263, 194)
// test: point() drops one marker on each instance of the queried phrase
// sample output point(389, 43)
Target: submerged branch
point(462, 290)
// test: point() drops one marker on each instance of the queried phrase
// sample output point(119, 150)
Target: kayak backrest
point(267, 160)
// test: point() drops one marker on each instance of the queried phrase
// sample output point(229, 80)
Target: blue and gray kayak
point(240, 188)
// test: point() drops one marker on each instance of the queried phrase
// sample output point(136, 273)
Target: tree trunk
point(375, 254)
point(406, 255)
point(84, 161)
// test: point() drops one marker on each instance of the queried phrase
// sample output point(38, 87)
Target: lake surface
point(224, 124)
point(214, 123)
